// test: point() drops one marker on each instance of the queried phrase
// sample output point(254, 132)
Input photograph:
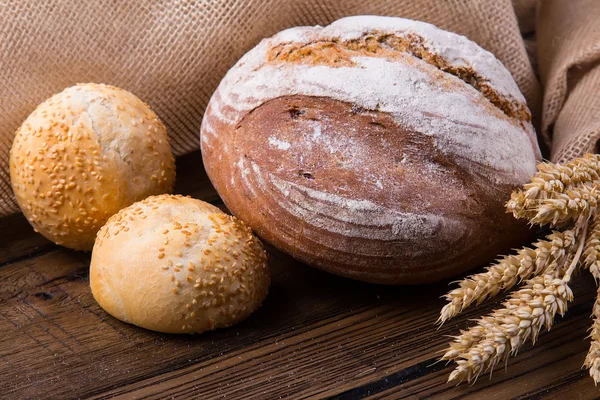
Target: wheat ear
point(553, 179)
point(592, 262)
point(557, 193)
point(558, 210)
point(591, 253)
point(507, 272)
point(523, 316)
point(592, 360)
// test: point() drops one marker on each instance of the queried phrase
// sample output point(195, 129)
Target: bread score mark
point(351, 217)
point(336, 52)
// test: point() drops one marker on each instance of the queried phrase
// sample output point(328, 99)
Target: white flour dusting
point(462, 123)
point(280, 144)
point(317, 131)
point(359, 218)
point(456, 49)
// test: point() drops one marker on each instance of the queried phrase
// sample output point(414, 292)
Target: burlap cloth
point(173, 53)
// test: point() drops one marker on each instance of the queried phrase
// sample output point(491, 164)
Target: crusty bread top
point(463, 122)
point(456, 50)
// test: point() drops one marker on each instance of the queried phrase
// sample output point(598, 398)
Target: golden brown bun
point(84, 154)
point(381, 149)
point(178, 265)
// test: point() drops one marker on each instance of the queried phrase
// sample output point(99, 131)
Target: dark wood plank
point(541, 371)
point(317, 336)
point(192, 179)
point(58, 341)
point(382, 351)
point(19, 241)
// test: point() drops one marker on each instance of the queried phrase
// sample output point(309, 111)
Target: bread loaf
point(381, 149)
point(84, 154)
point(178, 265)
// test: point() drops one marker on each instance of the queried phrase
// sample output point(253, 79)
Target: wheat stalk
point(508, 271)
point(523, 316)
point(558, 194)
point(556, 210)
point(552, 179)
point(591, 259)
point(592, 360)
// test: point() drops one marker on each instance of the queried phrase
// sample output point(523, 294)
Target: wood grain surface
point(317, 335)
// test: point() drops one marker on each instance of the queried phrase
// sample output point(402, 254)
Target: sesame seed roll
point(84, 154)
point(178, 265)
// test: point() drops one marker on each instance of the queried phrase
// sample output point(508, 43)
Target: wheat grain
point(505, 330)
point(524, 314)
point(592, 359)
point(591, 259)
point(558, 210)
point(557, 194)
point(508, 271)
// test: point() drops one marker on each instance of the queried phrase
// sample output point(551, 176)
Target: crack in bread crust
point(338, 53)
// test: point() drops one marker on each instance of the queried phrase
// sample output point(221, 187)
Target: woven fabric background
point(568, 37)
point(173, 53)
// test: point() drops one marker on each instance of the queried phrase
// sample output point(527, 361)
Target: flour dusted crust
point(376, 148)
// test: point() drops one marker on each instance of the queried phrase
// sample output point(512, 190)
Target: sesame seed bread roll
point(84, 154)
point(380, 149)
point(174, 264)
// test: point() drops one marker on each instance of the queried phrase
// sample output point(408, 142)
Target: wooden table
point(317, 335)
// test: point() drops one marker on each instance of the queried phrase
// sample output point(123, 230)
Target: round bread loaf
point(381, 149)
point(178, 265)
point(84, 154)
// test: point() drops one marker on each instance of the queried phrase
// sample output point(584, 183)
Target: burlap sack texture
point(173, 53)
